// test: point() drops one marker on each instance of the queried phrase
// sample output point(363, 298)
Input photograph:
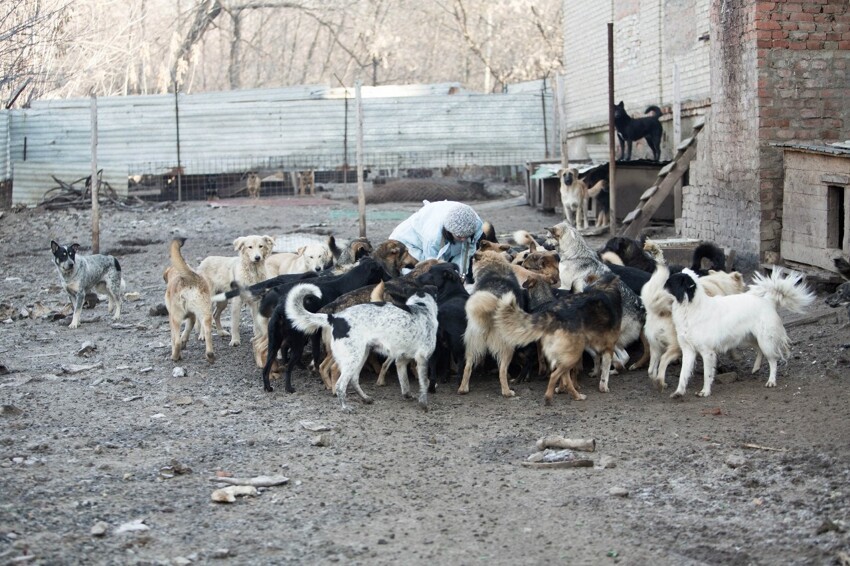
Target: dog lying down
point(713, 325)
point(402, 334)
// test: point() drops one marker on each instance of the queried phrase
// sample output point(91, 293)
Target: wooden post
point(177, 128)
point(561, 118)
point(545, 128)
point(95, 184)
point(361, 194)
point(677, 139)
point(612, 134)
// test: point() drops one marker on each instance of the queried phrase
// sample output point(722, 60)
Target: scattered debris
point(74, 369)
point(314, 427)
point(735, 460)
point(605, 462)
point(146, 370)
point(258, 481)
point(323, 439)
point(227, 412)
point(183, 401)
point(178, 372)
point(760, 447)
point(132, 296)
point(830, 525)
point(99, 529)
point(716, 411)
point(618, 492)
point(583, 444)
point(174, 468)
point(10, 411)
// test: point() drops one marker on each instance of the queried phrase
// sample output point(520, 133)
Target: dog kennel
point(816, 203)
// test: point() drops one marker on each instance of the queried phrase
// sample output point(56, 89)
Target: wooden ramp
point(651, 199)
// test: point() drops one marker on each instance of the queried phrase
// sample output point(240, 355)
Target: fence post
point(612, 134)
point(95, 182)
point(361, 195)
point(177, 126)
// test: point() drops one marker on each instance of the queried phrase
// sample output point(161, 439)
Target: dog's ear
point(300, 251)
point(557, 231)
point(269, 240)
point(74, 247)
point(620, 105)
point(54, 247)
point(238, 243)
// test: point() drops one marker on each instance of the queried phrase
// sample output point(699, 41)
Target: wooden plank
point(649, 192)
point(680, 166)
point(631, 216)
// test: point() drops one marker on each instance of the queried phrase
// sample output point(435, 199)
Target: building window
point(835, 217)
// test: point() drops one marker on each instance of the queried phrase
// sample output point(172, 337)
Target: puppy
point(402, 334)
point(709, 326)
point(573, 197)
point(254, 183)
point(312, 257)
point(630, 252)
point(600, 194)
point(187, 297)
point(565, 327)
point(247, 268)
point(81, 274)
point(633, 129)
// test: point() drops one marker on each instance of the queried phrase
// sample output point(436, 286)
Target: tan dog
point(573, 197)
point(247, 268)
point(307, 182)
point(187, 297)
point(312, 257)
point(254, 184)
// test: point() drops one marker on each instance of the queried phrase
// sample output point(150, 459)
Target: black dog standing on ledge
point(633, 129)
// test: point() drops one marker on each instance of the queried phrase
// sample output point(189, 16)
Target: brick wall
point(778, 74)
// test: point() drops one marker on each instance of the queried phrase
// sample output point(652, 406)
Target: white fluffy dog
point(247, 268)
point(402, 334)
point(659, 329)
point(713, 325)
point(312, 257)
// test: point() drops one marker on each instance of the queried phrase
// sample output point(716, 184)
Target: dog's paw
point(677, 394)
point(367, 400)
point(509, 393)
point(703, 393)
point(770, 383)
point(659, 384)
point(462, 391)
point(603, 387)
point(423, 402)
point(210, 357)
point(235, 342)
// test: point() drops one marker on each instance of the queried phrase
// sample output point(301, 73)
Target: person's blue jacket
point(422, 233)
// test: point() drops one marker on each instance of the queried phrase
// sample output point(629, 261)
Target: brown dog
point(393, 255)
point(187, 297)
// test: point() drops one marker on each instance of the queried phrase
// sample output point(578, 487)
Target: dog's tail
point(302, 319)
point(655, 251)
point(489, 232)
point(514, 325)
point(788, 292)
point(708, 256)
point(524, 238)
point(653, 110)
point(655, 298)
point(597, 188)
point(177, 262)
point(236, 290)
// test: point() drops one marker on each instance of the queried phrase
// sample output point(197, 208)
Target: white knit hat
point(461, 221)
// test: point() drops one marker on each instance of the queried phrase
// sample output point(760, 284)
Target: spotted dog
point(81, 274)
point(402, 334)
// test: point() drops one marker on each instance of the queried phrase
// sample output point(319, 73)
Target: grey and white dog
point(80, 274)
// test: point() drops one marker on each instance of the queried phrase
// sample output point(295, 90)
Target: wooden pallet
point(651, 199)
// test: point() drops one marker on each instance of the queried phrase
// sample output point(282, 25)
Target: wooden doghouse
point(816, 204)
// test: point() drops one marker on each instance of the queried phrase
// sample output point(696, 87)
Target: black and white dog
point(709, 326)
point(633, 129)
point(80, 274)
point(402, 334)
point(841, 296)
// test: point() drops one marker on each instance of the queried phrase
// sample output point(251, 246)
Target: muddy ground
point(112, 464)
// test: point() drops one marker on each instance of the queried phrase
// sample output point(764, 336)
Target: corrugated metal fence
point(274, 130)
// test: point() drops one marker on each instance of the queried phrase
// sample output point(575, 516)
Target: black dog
point(633, 129)
point(841, 296)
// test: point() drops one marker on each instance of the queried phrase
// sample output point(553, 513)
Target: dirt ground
point(110, 463)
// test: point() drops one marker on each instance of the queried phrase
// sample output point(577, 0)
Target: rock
point(146, 370)
point(130, 527)
point(132, 296)
point(87, 349)
point(10, 411)
point(74, 368)
point(323, 439)
point(181, 561)
point(618, 492)
point(606, 462)
point(99, 529)
point(735, 460)
point(178, 372)
point(221, 553)
point(536, 457)
point(182, 401)
point(314, 427)
point(258, 481)
point(726, 378)
point(228, 494)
